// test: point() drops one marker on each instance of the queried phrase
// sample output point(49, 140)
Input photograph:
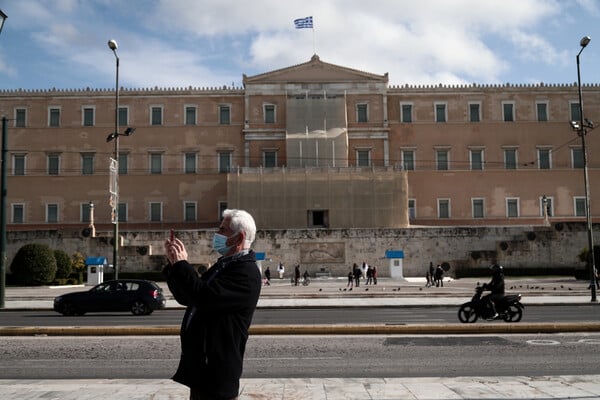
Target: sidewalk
point(515, 387)
point(330, 293)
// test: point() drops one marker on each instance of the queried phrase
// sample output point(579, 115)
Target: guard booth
point(95, 270)
point(395, 257)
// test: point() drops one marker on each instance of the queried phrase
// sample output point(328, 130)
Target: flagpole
point(314, 47)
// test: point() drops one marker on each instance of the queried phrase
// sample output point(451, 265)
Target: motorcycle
point(509, 308)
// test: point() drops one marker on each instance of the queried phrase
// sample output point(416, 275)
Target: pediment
point(314, 70)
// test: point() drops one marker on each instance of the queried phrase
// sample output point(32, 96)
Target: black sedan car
point(141, 297)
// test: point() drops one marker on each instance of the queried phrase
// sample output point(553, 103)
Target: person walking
point(296, 275)
point(439, 276)
point(357, 273)
point(268, 277)
point(220, 305)
point(374, 275)
point(350, 280)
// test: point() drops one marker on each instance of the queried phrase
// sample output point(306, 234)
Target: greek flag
point(303, 23)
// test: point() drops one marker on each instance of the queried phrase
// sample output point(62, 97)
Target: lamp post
point(114, 199)
point(3, 197)
point(581, 127)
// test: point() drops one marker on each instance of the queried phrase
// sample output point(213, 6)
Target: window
point(406, 109)
point(478, 208)
point(122, 212)
point(51, 213)
point(577, 158)
point(362, 113)
point(54, 117)
point(156, 163)
point(408, 160)
point(443, 208)
point(363, 158)
point(575, 111)
point(18, 213)
point(270, 158)
point(549, 206)
point(508, 112)
point(190, 115)
point(544, 160)
point(512, 208)
point(579, 205)
point(510, 158)
point(440, 112)
point(189, 163)
point(269, 113)
point(474, 112)
point(224, 161)
point(318, 218)
point(476, 159)
point(123, 163)
point(155, 212)
point(441, 159)
point(123, 116)
point(156, 115)
point(412, 209)
point(224, 115)
point(189, 211)
point(19, 164)
point(87, 164)
point(86, 212)
point(20, 117)
point(542, 111)
point(88, 116)
point(53, 164)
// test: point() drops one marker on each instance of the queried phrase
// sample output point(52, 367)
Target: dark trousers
point(197, 395)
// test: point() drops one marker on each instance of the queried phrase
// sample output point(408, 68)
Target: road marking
point(541, 342)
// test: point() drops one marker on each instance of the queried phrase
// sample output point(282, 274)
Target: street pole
point(588, 218)
point(3, 213)
point(3, 196)
point(112, 44)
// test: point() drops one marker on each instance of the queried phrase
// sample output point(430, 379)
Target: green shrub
point(34, 264)
point(64, 265)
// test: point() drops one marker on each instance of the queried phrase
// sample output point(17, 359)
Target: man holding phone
point(220, 305)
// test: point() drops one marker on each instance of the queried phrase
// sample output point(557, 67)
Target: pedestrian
point(280, 270)
point(305, 278)
point(369, 275)
point(357, 273)
point(296, 275)
point(268, 277)
point(220, 305)
point(428, 278)
point(364, 269)
point(374, 275)
point(439, 276)
point(350, 280)
point(431, 271)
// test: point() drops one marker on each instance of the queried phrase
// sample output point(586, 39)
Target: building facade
point(369, 155)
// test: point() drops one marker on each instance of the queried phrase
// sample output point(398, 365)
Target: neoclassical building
point(314, 145)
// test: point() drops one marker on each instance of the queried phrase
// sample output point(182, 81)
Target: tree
point(64, 265)
point(34, 264)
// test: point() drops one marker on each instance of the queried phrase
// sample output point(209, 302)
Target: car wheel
point(139, 308)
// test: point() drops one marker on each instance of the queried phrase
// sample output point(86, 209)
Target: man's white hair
point(241, 221)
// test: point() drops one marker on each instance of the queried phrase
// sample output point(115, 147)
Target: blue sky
point(210, 43)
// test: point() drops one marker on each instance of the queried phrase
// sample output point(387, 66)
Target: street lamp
point(581, 127)
point(3, 197)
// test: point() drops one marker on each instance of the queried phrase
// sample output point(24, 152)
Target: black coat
point(220, 305)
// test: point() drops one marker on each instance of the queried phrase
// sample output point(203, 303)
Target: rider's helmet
point(496, 269)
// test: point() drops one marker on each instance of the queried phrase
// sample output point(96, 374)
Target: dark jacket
point(220, 305)
point(496, 285)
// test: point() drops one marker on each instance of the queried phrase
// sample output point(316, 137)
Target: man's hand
point(175, 251)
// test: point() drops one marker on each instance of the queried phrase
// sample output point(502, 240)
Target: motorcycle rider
point(496, 288)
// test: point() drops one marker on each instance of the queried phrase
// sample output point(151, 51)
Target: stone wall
point(334, 251)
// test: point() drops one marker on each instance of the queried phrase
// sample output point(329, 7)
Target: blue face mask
point(220, 244)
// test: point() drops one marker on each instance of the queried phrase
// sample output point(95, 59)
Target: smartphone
point(172, 235)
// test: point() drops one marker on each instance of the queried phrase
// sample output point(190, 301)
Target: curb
point(441, 329)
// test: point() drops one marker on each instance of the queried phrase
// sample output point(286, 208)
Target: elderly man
point(220, 305)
